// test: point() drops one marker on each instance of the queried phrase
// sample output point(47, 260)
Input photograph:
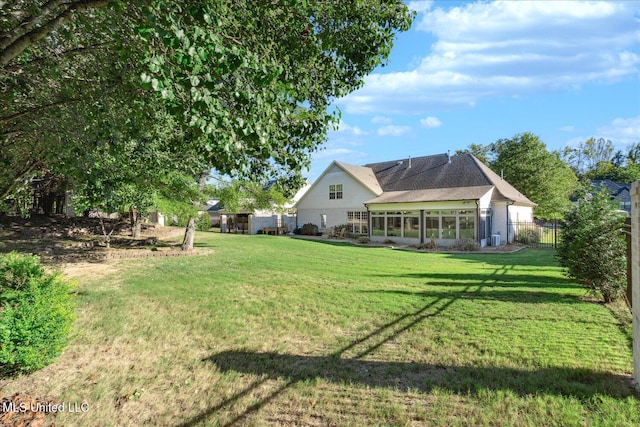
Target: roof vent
point(449, 156)
point(409, 165)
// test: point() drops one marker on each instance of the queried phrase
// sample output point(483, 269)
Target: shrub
point(363, 239)
point(341, 231)
point(203, 223)
point(528, 236)
point(468, 245)
point(429, 245)
point(308, 230)
point(36, 314)
point(388, 242)
point(593, 247)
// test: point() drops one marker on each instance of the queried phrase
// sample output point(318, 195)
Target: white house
point(441, 197)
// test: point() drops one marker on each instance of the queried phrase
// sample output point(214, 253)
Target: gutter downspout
point(368, 222)
point(477, 221)
point(509, 204)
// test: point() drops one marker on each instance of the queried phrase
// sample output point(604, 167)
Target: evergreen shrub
point(37, 311)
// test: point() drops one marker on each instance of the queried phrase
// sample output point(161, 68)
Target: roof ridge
point(406, 158)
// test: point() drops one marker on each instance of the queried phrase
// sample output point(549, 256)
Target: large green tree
point(69, 81)
point(245, 85)
point(247, 82)
point(254, 79)
point(539, 174)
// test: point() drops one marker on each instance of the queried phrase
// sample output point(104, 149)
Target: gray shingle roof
point(433, 195)
point(464, 173)
point(363, 174)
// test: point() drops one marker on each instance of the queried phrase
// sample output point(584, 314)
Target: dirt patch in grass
point(61, 241)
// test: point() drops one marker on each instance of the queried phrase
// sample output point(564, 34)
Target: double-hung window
point(335, 191)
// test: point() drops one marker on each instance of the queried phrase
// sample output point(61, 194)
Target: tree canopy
point(242, 86)
point(539, 174)
point(595, 159)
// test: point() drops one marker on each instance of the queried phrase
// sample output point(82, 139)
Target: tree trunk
point(136, 222)
point(189, 235)
point(106, 236)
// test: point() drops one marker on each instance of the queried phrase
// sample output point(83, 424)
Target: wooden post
point(635, 274)
point(627, 235)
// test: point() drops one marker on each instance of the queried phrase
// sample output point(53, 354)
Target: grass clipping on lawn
point(269, 330)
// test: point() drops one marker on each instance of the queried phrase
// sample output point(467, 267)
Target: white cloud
point(420, 5)
point(353, 130)
point(394, 130)
point(334, 153)
point(381, 120)
point(507, 48)
point(430, 122)
point(622, 130)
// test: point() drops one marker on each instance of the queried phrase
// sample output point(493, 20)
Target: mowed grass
point(272, 330)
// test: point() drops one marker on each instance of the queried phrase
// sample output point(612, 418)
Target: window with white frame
point(395, 224)
point(357, 221)
point(378, 223)
point(335, 191)
point(450, 224)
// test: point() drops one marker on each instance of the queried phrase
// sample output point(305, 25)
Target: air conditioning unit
point(495, 240)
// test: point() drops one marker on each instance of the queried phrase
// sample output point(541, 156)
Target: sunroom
point(445, 222)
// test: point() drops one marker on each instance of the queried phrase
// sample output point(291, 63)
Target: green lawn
point(272, 330)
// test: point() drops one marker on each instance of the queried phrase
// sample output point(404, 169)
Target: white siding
point(518, 213)
point(334, 216)
point(485, 201)
point(316, 202)
point(499, 222)
point(501, 219)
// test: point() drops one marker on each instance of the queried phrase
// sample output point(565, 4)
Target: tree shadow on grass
point(503, 280)
point(513, 296)
point(290, 369)
point(344, 243)
point(527, 257)
point(582, 384)
point(346, 366)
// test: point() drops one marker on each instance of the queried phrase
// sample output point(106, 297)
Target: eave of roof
point(362, 174)
point(432, 195)
point(504, 190)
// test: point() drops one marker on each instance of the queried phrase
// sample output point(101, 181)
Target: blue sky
point(475, 72)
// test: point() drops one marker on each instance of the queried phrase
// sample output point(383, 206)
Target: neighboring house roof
point(613, 187)
point(619, 192)
point(216, 207)
point(441, 177)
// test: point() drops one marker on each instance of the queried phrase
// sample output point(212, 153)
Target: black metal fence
point(629, 238)
point(537, 234)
